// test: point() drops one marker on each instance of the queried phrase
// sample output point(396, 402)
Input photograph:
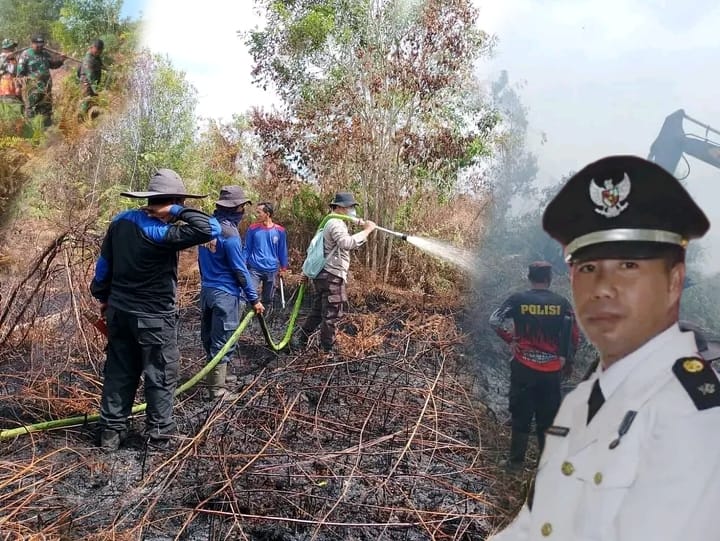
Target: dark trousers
point(267, 279)
point(532, 394)
point(327, 307)
point(220, 317)
point(140, 346)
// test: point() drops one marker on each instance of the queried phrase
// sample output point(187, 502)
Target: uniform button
point(598, 478)
point(546, 529)
point(567, 468)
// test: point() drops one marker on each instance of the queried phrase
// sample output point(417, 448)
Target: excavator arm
point(672, 142)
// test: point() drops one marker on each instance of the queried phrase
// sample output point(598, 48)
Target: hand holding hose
point(367, 225)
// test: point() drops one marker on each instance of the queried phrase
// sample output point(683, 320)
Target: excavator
point(673, 143)
point(671, 146)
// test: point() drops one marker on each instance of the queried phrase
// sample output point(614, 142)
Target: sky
point(598, 76)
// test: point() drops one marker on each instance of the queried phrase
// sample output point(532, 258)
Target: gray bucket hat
point(231, 197)
point(164, 183)
point(344, 199)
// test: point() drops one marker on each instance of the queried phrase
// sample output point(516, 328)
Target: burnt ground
point(391, 439)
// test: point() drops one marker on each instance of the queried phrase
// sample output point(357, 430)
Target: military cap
point(8, 43)
point(622, 207)
point(37, 38)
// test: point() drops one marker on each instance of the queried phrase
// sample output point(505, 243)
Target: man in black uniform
point(541, 330)
point(136, 282)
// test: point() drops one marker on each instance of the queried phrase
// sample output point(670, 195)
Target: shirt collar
point(672, 343)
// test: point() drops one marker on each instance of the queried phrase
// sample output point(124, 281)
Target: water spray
point(459, 257)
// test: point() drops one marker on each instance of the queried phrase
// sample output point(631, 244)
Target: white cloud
point(201, 39)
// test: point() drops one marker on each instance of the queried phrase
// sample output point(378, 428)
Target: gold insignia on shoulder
point(707, 388)
point(693, 366)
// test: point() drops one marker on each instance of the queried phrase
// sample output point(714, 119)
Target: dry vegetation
point(387, 441)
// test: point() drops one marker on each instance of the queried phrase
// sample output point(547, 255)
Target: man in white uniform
point(634, 452)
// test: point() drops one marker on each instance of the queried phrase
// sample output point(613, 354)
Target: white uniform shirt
point(660, 483)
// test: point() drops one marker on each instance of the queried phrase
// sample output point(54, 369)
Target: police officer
point(633, 451)
point(540, 327)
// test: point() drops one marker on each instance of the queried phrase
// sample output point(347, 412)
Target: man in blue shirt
point(225, 283)
point(266, 252)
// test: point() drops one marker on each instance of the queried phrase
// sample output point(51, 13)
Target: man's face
point(621, 304)
point(262, 215)
point(37, 46)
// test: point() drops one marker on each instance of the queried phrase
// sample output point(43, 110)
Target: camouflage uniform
point(89, 73)
point(36, 66)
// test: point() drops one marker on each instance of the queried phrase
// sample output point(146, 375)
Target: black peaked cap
point(623, 206)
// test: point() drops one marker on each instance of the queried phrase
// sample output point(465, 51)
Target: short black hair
point(540, 272)
point(267, 207)
point(98, 44)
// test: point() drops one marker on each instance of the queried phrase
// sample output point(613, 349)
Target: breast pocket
point(606, 473)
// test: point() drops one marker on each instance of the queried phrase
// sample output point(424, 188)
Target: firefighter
point(540, 328)
point(633, 451)
point(136, 283)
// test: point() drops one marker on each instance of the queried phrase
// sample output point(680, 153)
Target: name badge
point(560, 431)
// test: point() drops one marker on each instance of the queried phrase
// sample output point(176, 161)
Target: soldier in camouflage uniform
point(329, 287)
point(89, 74)
point(35, 64)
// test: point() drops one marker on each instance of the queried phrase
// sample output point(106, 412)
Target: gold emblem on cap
point(567, 468)
point(546, 529)
point(693, 366)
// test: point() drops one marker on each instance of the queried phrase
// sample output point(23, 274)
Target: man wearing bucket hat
point(329, 287)
point(226, 284)
point(633, 451)
point(136, 281)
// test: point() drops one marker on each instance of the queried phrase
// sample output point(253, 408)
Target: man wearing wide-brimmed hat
point(329, 287)
point(136, 282)
point(226, 284)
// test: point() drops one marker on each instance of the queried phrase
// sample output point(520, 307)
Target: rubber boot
point(215, 381)
point(518, 448)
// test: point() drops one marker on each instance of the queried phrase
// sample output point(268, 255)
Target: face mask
point(352, 212)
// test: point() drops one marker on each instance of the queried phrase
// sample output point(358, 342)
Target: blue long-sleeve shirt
point(266, 247)
point(222, 264)
point(137, 268)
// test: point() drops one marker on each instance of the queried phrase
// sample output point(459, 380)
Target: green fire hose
point(189, 384)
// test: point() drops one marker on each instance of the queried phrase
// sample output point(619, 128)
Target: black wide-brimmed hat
point(231, 197)
point(344, 199)
point(164, 183)
point(622, 207)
